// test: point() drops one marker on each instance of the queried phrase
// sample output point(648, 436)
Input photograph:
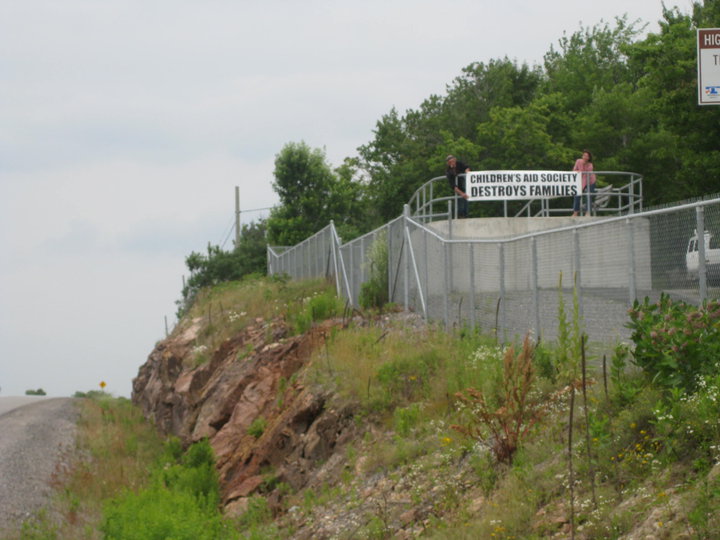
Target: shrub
point(687, 425)
point(374, 292)
point(406, 418)
point(159, 513)
point(675, 343)
point(257, 427)
point(318, 307)
point(196, 475)
point(181, 502)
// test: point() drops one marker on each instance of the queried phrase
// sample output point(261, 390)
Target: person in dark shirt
point(457, 184)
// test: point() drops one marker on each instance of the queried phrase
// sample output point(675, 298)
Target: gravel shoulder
point(36, 441)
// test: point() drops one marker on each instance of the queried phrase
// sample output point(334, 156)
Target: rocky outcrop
point(251, 379)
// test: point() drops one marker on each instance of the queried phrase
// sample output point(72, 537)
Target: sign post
point(708, 55)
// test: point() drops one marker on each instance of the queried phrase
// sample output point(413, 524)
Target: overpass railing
point(617, 193)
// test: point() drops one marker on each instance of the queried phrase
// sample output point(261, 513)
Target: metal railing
point(509, 285)
point(618, 198)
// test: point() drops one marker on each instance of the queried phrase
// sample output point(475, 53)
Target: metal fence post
point(449, 265)
point(631, 260)
point(351, 268)
point(702, 268)
point(501, 254)
point(388, 237)
point(362, 260)
point(472, 287)
point(577, 278)
point(427, 269)
point(316, 257)
point(447, 288)
point(536, 288)
point(335, 249)
point(406, 266)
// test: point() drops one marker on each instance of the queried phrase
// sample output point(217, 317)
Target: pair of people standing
point(456, 170)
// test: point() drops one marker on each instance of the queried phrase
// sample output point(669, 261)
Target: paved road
point(7, 404)
point(37, 438)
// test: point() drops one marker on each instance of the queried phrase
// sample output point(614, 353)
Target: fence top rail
point(374, 231)
point(277, 250)
point(580, 225)
point(566, 228)
point(287, 249)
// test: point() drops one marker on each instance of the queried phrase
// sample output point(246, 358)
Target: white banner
point(512, 185)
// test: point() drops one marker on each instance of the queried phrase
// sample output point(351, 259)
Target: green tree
point(351, 210)
point(518, 138)
point(251, 250)
point(307, 187)
point(409, 150)
point(679, 155)
point(614, 126)
point(482, 87)
point(384, 160)
point(588, 60)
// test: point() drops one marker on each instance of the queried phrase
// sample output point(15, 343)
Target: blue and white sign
point(708, 55)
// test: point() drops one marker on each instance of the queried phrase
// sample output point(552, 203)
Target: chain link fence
point(507, 277)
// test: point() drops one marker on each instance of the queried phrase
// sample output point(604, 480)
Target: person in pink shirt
point(585, 167)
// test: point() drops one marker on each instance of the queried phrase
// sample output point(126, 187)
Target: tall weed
point(503, 425)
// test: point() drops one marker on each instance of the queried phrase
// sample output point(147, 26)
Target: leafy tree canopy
point(632, 101)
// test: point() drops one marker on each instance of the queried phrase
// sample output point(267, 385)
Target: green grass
point(640, 447)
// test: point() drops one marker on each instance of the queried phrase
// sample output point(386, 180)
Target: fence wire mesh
point(594, 269)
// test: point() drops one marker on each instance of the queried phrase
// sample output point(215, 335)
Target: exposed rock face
point(250, 376)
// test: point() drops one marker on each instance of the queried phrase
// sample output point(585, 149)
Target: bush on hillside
point(374, 292)
point(676, 344)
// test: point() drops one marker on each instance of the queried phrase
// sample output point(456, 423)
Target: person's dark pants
point(576, 200)
point(462, 207)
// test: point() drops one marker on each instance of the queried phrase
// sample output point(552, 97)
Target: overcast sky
point(126, 125)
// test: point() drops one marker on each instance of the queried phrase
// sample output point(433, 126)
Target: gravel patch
point(36, 442)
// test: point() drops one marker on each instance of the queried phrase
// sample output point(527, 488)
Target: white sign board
point(512, 185)
point(708, 54)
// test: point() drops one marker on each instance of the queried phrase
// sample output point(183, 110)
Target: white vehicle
point(712, 256)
